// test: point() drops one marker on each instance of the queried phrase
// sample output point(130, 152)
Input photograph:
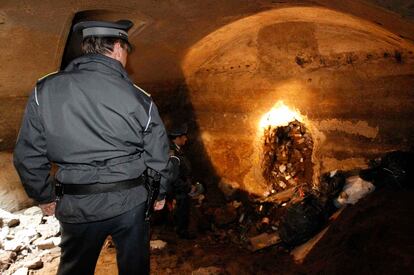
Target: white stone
point(51, 220)
point(12, 245)
point(34, 210)
point(4, 232)
point(31, 220)
point(21, 271)
point(49, 229)
point(26, 233)
point(6, 215)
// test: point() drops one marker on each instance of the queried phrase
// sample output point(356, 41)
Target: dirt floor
point(375, 236)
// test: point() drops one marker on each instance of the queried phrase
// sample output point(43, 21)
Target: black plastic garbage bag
point(302, 220)
point(331, 184)
point(396, 168)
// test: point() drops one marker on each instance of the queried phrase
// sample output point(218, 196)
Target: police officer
point(181, 186)
point(102, 132)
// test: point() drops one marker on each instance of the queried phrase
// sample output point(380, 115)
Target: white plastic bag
point(355, 188)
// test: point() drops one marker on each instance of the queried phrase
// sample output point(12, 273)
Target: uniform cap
point(118, 29)
point(178, 131)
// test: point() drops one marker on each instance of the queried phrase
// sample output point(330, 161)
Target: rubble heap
point(287, 156)
point(27, 240)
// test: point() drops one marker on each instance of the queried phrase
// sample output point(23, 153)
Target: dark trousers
point(82, 243)
point(182, 213)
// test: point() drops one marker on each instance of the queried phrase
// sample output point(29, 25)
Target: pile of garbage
point(287, 152)
point(295, 215)
point(27, 240)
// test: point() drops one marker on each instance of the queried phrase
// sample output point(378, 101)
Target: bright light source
point(280, 115)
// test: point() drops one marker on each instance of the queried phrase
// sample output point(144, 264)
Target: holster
point(152, 184)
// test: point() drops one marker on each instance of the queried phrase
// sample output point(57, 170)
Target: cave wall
point(351, 79)
point(220, 65)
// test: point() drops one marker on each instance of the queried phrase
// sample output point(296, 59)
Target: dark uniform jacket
point(96, 126)
point(181, 186)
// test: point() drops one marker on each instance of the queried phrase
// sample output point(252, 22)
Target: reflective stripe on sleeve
point(149, 117)
point(37, 101)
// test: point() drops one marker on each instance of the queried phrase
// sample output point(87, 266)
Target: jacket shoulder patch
point(142, 90)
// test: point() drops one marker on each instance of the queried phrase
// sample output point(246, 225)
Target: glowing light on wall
point(280, 115)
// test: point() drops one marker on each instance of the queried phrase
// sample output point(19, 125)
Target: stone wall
point(221, 65)
point(12, 195)
point(351, 79)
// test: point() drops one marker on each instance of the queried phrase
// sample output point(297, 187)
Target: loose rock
point(13, 223)
point(21, 271)
point(48, 243)
point(157, 244)
point(36, 263)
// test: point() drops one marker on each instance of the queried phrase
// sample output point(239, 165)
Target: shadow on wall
point(175, 107)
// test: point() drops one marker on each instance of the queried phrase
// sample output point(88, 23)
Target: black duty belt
point(96, 188)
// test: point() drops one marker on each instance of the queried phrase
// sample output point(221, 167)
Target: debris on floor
point(264, 232)
point(263, 240)
point(27, 240)
point(355, 189)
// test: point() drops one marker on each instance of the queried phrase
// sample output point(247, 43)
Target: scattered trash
point(280, 197)
point(263, 240)
point(331, 184)
point(287, 154)
point(354, 189)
